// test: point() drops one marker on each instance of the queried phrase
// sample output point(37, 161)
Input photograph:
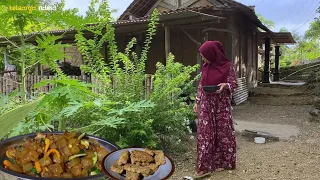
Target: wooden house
point(185, 25)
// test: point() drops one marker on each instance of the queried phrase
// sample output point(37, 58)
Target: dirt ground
point(296, 159)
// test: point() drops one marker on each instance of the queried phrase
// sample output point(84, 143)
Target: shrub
point(119, 110)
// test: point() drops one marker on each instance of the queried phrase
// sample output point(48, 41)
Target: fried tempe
point(153, 167)
point(149, 151)
point(137, 169)
point(124, 157)
point(140, 156)
point(132, 176)
point(116, 168)
point(142, 164)
point(159, 157)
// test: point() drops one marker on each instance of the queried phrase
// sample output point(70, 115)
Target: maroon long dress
point(216, 144)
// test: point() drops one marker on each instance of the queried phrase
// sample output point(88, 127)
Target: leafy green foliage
point(164, 119)
point(10, 119)
point(118, 109)
point(304, 49)
point(21, 22)
point(268, 23)
point(314, 31)
point(9, 102)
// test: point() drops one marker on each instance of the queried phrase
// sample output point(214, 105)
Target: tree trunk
point(23, 68)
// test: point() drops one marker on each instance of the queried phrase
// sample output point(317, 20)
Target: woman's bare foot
point(201, 174)
point(219, 169)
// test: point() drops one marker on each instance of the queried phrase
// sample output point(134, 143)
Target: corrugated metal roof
point(180, 13)
point(277, 37)
point(133, 8)
point(241, 94)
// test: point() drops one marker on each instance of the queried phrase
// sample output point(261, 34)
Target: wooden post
point(83, 63)
point(167, 41)
point(6, 58)
point(6, 62)
point(205, 37)
point(277, 63)
point(139, 44)
point(199, 60)
point(41, 70)
point(266, 73)
point(240, 54)
point(229, 46)
point(167, 48)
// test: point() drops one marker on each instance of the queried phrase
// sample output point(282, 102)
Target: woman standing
point(216, 143)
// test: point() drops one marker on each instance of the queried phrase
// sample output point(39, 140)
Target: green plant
point(165, 121)
point(11, 118)
point(23, 22)
point(119, 109)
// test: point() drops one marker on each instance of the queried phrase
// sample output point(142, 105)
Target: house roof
point(139, 8)
point(164, 16)
point(179, 13)
point(277, 37)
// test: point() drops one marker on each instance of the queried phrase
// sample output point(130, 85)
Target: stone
point(252, 134)
point(272, 132)
point(314, 119)
point(317, 89)
point(193, 125)
point(315, 112)
point(317, 102)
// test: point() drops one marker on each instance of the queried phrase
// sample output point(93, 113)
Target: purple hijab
point(217, 70)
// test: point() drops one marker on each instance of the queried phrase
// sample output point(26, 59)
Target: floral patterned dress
point(216, 143)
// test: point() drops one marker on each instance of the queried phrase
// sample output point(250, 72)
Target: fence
point(9, 84)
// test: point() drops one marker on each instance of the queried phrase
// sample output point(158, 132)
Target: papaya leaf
point(11, 119)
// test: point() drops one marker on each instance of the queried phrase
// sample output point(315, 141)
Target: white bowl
point(260, 140)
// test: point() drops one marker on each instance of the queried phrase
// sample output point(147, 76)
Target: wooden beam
point(266, 73)
point(6, 57)
point(229, 46)
point(207, 15)
point(167, 5)
point(199, 60)
point(277, 64)
point(167, 40)
point(153, 7)
point(191, 19)
point(205, 37)
point(196, 25)
point(188, 3)
point(217, 29)
point(240, 54)
point(131, 28)
point(191, 38)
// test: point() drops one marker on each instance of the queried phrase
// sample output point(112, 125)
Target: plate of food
point(210, 89)
point(54, 156)
point(138, 164)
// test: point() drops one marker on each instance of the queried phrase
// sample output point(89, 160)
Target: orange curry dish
point(56, 155)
